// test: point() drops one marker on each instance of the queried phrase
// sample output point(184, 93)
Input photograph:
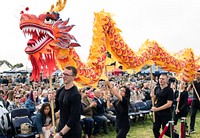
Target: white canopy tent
point(4, 67)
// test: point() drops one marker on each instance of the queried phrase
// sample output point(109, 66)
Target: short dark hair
point(73, 69)
point(1, 91)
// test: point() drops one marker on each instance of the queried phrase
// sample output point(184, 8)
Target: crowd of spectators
point(20, 92)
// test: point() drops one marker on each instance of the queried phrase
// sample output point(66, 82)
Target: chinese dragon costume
point(52, 47)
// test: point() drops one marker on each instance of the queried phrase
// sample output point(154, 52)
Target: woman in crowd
point(121, 107)
point(16, 104)
point(33, 103)
point(10, 98)
point(25, 96)
point(43, 121)
point(181, 104)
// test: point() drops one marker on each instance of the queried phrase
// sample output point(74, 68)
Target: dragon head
point(46, 33)
point(46, 30)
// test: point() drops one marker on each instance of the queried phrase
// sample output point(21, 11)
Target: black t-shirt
point(197, 86)
point(69, 103)
point(183, 101)
point(162, 96)
point(121, 109)
point(176, 93)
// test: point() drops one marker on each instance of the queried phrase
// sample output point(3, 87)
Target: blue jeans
point(100, 121)
point(88, 123)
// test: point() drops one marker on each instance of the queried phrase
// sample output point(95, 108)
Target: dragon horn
point(59, 6)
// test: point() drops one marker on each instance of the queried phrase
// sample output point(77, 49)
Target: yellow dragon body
point(52, 47)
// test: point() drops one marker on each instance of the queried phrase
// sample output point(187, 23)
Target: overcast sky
point(174, 24)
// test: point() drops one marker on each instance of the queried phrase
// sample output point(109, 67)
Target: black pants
point(162, 120)
point(121, 133)
point(179, 116)
point(195, 106)
point(73, 132)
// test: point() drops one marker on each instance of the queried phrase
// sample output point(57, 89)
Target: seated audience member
point(137, 95)
point(43, 121)
point(99, 113)
point(16, 104)
point(43, 95)
point(87, 105)
point(108, 108)
point(146, 91)
point(33, 103)
point(17, 87)
point(2, 101)
point(49, 95)
point(10, 87)
point(10, 98)
point(24, 96)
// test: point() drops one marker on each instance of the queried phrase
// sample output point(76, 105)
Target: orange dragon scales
point(51, 47)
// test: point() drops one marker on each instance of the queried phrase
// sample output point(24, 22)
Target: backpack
point(5, 123)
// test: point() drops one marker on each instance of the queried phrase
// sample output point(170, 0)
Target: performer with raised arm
point(121, 107)
point(163, 97)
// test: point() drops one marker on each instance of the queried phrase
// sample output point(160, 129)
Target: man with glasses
point(163, 97)
point(68, 101)
point(87, 105)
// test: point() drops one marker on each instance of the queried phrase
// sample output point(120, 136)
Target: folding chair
point(21, 112)
point(143, 109)
point(133, 112)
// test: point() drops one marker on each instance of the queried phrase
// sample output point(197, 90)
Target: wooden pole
point(52, 107)
point(107, 91)
point(152, 98)
point(179, 94)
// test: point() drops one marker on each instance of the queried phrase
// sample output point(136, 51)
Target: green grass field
point(144, 129)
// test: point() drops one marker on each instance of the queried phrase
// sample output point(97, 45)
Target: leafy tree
point(18, 65)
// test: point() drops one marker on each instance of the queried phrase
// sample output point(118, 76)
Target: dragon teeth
point(28, 33)
point(37, 30)
point(50, 35)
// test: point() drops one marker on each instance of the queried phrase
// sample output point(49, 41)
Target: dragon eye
point(49, 21)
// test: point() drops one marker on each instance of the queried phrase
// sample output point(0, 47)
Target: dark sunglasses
point(17, 97)
point(84, 91)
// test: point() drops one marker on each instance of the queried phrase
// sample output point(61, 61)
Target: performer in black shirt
point(181, 107)
point(195, 101)
point(68, 101)
point(163, 96)
point(121, 108)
